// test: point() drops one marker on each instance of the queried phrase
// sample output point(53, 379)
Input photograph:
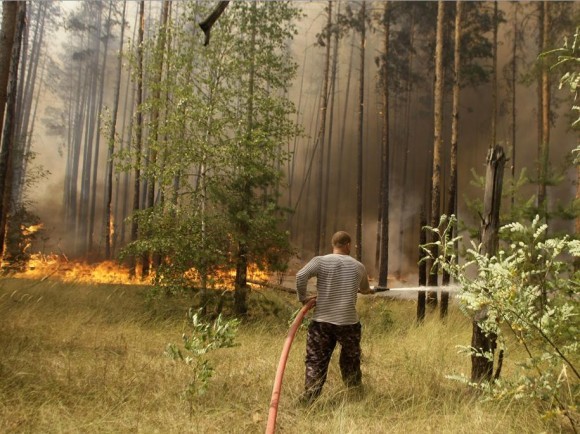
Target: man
point(339, 278)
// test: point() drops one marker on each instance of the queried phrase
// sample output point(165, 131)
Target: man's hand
point(306, 300)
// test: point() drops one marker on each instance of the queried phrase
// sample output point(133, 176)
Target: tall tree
point(544, 92)
point(385, 172)
point(483, 342)
point(8, 132)
point(452, 197)
point(437, 142)
point(93, 195)
point(360, 153)
point(154, 116)
point(139, 132)
point(9, 10)
point(494, 84)
point(111, 144)
point(321, 134)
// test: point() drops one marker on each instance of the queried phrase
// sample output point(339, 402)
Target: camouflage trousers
point(320, 343)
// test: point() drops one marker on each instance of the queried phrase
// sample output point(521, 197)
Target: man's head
point(341, 242)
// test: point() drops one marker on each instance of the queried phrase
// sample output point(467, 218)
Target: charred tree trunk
point(482, 342)
point(452, 199)
point(437, 146)
point(8, 132)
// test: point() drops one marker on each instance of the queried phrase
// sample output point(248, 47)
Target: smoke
point(303, 196)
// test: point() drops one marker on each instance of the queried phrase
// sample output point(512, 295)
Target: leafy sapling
point(204, 338)
point(530, 293)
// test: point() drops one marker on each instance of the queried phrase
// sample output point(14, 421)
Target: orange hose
point(282, 366)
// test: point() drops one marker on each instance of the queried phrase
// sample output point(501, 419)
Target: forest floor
point(80, 358)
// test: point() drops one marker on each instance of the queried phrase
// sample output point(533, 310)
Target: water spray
point(273, 413)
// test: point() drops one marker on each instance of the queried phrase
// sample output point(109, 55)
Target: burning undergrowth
point(59, 267)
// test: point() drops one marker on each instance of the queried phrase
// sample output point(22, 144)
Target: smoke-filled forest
point(196, 154)
point(132, 132)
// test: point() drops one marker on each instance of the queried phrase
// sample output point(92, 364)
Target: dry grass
point(82, 358)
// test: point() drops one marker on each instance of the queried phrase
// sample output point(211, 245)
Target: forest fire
point(59, 267)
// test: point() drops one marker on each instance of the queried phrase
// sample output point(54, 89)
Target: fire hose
point(273, 413)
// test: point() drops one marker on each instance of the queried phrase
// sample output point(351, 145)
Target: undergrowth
point(90, 358)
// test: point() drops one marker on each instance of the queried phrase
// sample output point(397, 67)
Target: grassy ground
point(90, 358)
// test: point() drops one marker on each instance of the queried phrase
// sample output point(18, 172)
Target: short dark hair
point(340, 239)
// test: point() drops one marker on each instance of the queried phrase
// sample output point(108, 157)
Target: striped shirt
point(339, 278)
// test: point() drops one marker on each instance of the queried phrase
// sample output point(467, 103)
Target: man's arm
point(302, 276)
point(364, 285)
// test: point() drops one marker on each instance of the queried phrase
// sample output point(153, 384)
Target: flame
point(59, 267)
point(29, 230)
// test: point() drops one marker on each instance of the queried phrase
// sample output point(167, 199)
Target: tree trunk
point(514, 64)
point(124, 212)
point(437, 145)
point(8, 131)
point(359, 183)
point(139, 132)
point(494, 81)
point(241, 281)
point(96, 159)
point(83, 235)
point(154, 120)
point(29, 70)
point(337, 197)
point(482, 367)
point(452, 199)
point(408, 106)
point(9, 10)
point(322, 134)
point(111, 148)
point(422, 266)
point(545, 110)
point(385, 172)
point(329, 166)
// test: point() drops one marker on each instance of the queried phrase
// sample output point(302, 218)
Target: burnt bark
point(481, 341)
